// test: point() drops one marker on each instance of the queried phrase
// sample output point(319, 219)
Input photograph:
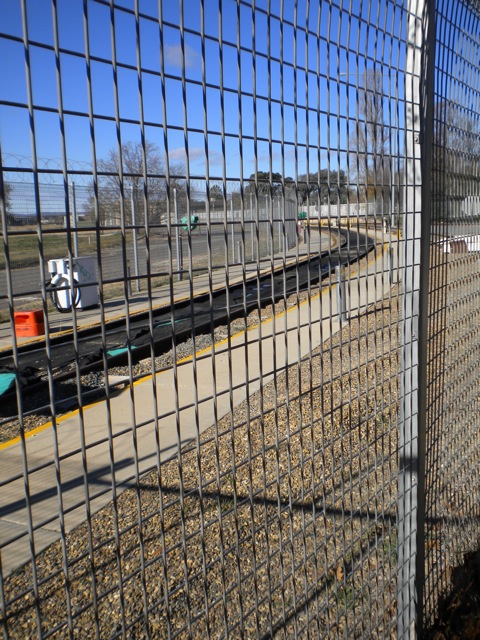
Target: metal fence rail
point(238, 311)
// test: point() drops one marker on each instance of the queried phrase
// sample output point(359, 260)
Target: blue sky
point(310, 103)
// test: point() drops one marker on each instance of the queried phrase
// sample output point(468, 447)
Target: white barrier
point(460, 244)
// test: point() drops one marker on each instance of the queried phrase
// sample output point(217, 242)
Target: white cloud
point(195, 154)
point(177, 154)
point(215, 157)
point(173, 56)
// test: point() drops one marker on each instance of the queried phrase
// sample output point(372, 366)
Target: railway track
point(122, 341)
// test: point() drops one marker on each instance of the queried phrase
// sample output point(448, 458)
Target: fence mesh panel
point(211, 228)
point(452, 463)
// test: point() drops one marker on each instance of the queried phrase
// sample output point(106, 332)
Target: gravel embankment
point(293, 496)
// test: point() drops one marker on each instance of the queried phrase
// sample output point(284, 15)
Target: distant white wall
point(361, 209)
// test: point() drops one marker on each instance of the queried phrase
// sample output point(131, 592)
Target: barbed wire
point(19, 167)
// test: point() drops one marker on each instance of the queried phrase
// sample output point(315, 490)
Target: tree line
point(374, 171)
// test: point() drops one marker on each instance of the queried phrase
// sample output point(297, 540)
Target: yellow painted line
point(47, 425)
point(34, 432)
point(70, 414)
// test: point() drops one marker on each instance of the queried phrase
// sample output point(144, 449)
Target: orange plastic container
point(29, 323)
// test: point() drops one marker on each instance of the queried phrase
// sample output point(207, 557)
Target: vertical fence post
point(180, 257)
point(269, 217)
point(239, 252)
point(408, 418)
point(391, 265)
point(129, 279)
point(74, 221)
point(252, 237)
point(413, 380)
point(281, 227)
point(341, 294)
point(233, 230)
point(178, 239)
point(135, 247)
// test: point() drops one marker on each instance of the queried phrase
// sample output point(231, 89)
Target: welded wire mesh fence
point(238, 367)
point(452, 444)
point(268, 225)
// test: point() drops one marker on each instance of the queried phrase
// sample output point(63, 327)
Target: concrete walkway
point(104, 447)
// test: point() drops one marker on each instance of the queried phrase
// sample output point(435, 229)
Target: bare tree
point(370, 141)
point(456, 158)
point(144, 182)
